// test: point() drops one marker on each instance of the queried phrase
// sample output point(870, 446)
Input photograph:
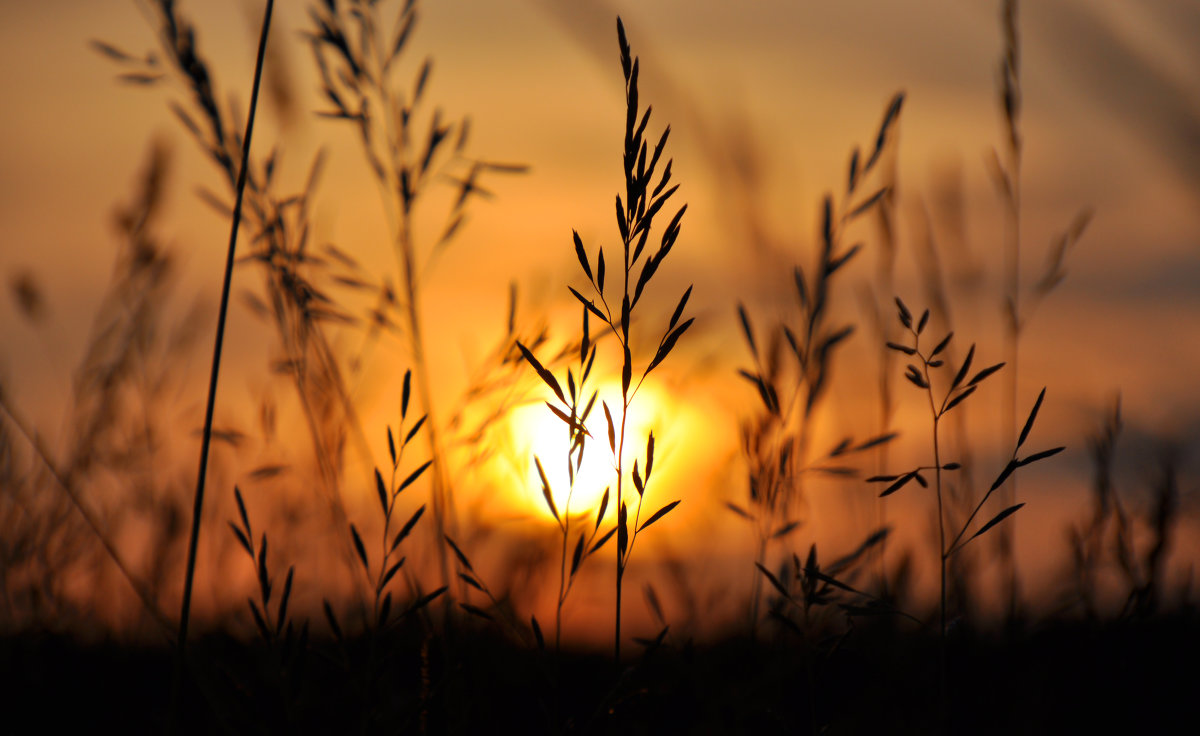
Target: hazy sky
point(775, 92)
point(1111, 121)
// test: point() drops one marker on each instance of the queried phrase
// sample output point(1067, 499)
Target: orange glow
point(536, 432)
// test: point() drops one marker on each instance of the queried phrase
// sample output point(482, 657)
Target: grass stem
point(206, 438)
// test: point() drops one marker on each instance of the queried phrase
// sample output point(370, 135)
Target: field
point(386, 419)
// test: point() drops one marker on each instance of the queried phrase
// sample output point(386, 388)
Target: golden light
point(539, 433)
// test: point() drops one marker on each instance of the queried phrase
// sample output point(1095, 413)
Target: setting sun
point(536, 432)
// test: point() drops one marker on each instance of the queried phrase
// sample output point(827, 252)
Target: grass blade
point(1032, 416)
point(997, 519)
point(658, 515)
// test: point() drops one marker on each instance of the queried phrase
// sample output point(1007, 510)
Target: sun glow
point(539, 433)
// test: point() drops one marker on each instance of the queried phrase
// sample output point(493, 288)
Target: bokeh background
point(766, 100)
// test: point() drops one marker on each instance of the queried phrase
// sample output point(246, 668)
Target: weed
point(1006, 170)
point(635, 218)
point(121, 386)
point(1107, 541)
point(210, 405)
point(776, 444)
point(943, 400)
point(574, 417)
point(358, 61)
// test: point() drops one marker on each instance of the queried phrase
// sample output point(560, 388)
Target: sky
point(765, 100)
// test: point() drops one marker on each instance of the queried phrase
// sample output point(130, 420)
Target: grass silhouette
point(423, 627)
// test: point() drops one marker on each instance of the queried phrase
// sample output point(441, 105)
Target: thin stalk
point(620, 459)
point(936, 413)
point(222, 314)
point(885, 277)
point(93, 523)
point(443, 513)
point(443, 500)
point(562, 583)
point(756, 585)
point(400, 220)
point(566, 533)
point(1013, 238)
point(881, 462)
point(1011, 97)
point(937, 464)
point(620, 503)
point(328, 473)
point(576, 443)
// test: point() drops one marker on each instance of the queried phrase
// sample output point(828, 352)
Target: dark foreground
point(1128, 677)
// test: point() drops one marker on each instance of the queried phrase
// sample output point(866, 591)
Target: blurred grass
point(844, 645)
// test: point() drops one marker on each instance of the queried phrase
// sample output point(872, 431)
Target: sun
point(537, 432)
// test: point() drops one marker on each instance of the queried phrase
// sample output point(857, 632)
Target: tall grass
point(377, 653)
point(943, 399)
point(359, 60)
point(116, 425)
point(578, 407)
point(295, 302)
point(1017, 307)
point(635, 219)
point(792, 382)
point(210, 404)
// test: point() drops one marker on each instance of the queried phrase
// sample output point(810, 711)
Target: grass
point(574, 418)
point(210, 404)
point(358, 62)
point(792, 386)
point(635, 219)
point(1018, 307)
point(942, 401)
point(422, 627)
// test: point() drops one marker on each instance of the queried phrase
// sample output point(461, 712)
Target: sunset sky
point(765, 100)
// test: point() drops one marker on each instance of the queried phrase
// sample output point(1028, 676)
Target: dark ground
point(1126, 677)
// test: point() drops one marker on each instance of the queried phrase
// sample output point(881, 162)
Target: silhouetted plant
point(635, 218)
point(206, 438)
point(295, 301)
point(380, 678)
point(389, 610)
point(358, 60)
point(129, 368)
point(1107, 542)
point(270, 627)
point(809, 590)
point(498, 612)
point(382, 576)
point(286, 644)
point(1006, 171)
point(389, 494)
point(577, 406)
point(776, 443)
point(941, 401)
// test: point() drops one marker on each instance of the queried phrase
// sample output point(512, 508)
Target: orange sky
point(1111, 120)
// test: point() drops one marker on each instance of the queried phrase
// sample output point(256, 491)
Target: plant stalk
point(206, 438)
point(937, 465)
